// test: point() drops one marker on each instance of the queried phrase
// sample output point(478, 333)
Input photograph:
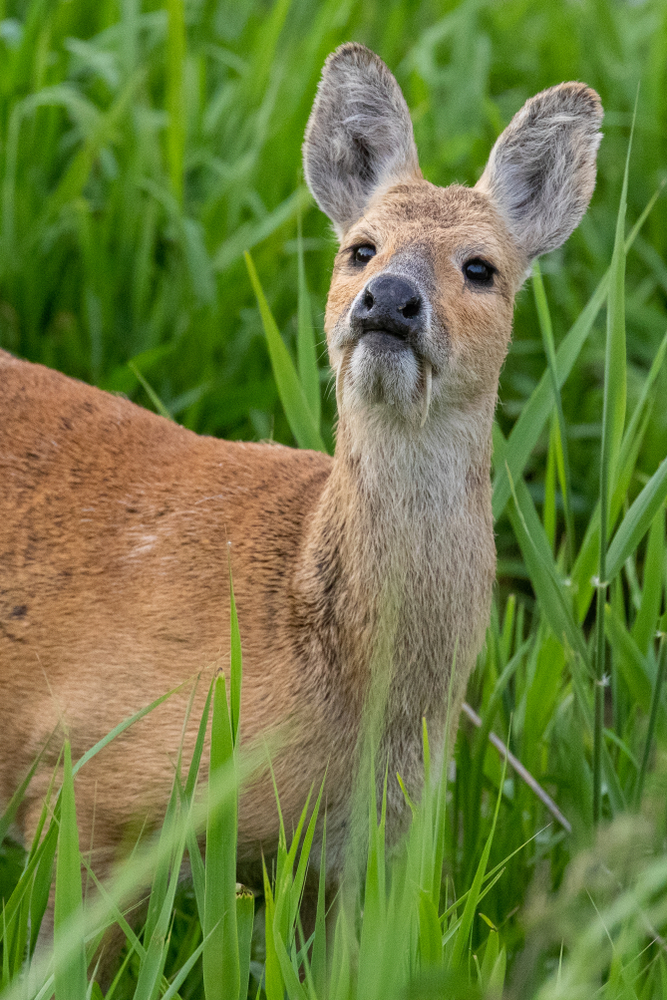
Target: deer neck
point(398, 562)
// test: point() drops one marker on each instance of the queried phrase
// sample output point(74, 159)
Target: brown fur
point(115, 524)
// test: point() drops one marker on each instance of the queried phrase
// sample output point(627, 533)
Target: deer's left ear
point(541, 172)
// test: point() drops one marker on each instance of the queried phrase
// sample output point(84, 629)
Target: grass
point(143, 149)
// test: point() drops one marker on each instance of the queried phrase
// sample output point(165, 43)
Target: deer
point(116, 524)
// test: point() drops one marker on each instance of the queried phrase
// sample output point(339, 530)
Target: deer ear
point(359, 135)
point(541, 172)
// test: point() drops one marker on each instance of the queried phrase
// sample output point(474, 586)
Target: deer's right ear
point(359, 135)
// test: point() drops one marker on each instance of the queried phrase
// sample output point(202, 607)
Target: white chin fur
point(393, 378)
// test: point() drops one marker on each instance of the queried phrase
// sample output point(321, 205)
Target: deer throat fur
point(392, 587)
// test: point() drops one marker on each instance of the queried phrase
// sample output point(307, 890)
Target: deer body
point(115, 524)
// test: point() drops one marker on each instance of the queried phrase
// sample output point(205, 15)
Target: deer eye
point(362, 254)
point(479, 271)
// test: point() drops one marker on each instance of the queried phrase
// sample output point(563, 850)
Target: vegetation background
point(144, 147)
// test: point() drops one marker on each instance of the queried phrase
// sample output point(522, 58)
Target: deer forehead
point(428, 233)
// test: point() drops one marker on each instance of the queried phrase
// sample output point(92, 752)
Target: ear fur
point(541, 172)
point(359, 135)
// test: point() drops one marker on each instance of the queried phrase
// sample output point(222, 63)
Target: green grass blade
point(549, 516)
point(41, 885)
point(304, 857)
point(318, 966)
point(236, 662)
point(306, 344)
point(115, 913)
point(78, 171)
point(251, 234)
point(70, 970)
point(650, 732)
point(646, 622)
point(193, 770)
point(245, 914)
point(273, 978)
point(160, 887)
point(183, 973)
point(176, 47)
point(543, 574)
point(150, 392)
point(629, 660)
point(462, 937)
point(534, 414)
point(297, 411)
point(9, 814)
point(587, 559)
point(560, 430)
point(120, 728)
point(613, 422)
point(196, 863)
point(221, 954)
point(615, 390)
point(637, 521)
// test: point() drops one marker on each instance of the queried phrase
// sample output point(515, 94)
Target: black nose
point(390, 304)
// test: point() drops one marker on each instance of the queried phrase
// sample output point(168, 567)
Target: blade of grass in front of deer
point(245, 914)
point(15, 943)
point(160, 885)
point(560, 430)
point(613, 422)
point(170, 849)
point(304, 856)
point(42, 858)
point(535, 412)
point(221, 954)
point(69, 953)
point(120, 728)
point(462, 937)
point(295, 405)
point(150, 392)
point(6, 974)
point(9, 814)
point(274, 985)
point(196, 863)
point(236, 660)
point(285, 899)
point(115, 914)
point(489, 714)
point(374, 924)
point(306, 344)
point(151, 966)
point(318, 962)
point(184, 972)
point(193, 770)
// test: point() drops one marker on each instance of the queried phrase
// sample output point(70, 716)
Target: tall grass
point(143, 149)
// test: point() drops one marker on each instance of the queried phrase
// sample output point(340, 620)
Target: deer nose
point(390, 304)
